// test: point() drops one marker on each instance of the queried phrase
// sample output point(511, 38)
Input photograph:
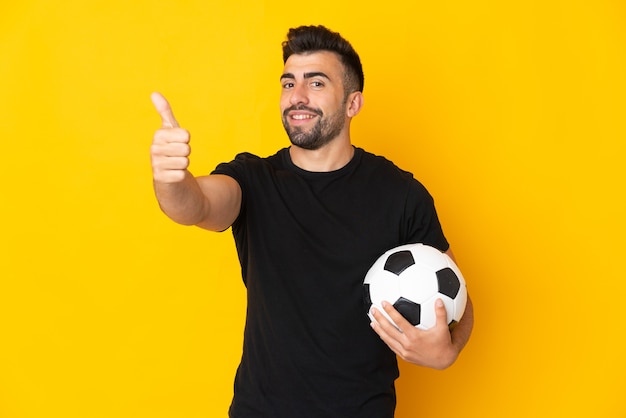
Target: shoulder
point(246, 162)
point(385, 172)
point(380, 166)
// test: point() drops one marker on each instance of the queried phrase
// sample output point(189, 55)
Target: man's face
point(312, 101)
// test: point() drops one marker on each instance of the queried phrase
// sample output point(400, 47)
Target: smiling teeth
point(302, 117)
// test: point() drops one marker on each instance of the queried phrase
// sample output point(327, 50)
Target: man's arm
point(437, 348)
point(211, 202)
point(462, 331)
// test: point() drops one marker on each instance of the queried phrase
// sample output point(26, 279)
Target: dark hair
point(308, 39)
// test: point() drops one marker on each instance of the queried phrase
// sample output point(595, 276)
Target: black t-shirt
point(305, 242)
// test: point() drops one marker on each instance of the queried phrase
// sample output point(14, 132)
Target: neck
point(330, 157)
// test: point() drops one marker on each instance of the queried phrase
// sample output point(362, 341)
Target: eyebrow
point(306, 75)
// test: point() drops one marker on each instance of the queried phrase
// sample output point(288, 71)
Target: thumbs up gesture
point(170, 147)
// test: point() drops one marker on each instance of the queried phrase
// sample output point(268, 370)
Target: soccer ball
point(412, 277)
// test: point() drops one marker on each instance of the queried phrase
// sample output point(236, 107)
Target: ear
point(354, 104)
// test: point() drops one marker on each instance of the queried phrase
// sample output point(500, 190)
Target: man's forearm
point(461, 333)
point(183, 201)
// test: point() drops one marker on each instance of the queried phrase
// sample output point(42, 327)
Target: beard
point(323, 132)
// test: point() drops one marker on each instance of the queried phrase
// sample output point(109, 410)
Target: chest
point(339, 223)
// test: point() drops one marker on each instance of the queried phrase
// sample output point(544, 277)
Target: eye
point(317, 84)
point(288, 85)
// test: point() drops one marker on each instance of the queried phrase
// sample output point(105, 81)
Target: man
point(308, 223)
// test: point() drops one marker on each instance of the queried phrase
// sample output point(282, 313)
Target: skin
point(316, 81)
point(307, 125)
point(312, 97)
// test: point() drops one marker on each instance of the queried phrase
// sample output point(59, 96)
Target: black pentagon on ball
point(410, 310)
point(397, 262)
point(367, 299)
point(449, 283)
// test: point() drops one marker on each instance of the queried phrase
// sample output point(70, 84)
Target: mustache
point(302, 107)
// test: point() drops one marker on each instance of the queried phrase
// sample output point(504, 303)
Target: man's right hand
point(170, 147)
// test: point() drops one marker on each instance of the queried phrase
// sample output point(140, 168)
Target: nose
point(298, 95)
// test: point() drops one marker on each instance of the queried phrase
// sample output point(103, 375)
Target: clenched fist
point(170, 147)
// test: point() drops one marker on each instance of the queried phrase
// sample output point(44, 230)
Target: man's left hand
point(429, 348)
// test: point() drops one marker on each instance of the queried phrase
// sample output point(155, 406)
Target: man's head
point(321, 86)
point(308, 39)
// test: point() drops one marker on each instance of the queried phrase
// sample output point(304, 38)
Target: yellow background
point(510, 112)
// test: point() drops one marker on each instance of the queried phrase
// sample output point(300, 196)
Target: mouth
point(301, 114)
